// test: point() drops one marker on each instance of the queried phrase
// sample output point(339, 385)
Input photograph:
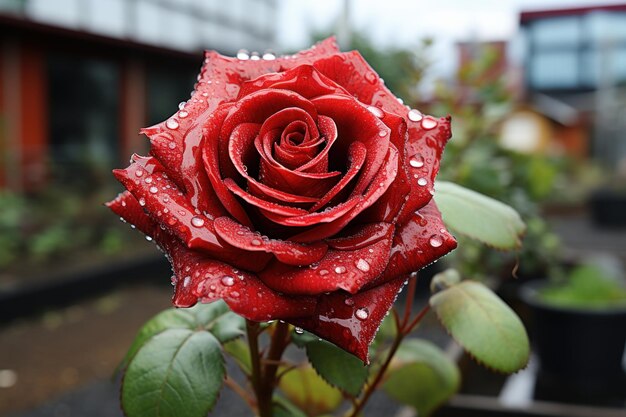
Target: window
point(554, 69)
point(562, 32)
point(84, 113)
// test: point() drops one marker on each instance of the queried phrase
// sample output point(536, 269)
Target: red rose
point(296, 188)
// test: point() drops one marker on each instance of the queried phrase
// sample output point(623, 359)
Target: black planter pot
point(608, 208)
point(578, 345)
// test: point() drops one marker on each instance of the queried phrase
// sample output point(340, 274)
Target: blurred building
point(78, 78)
point(575, 74)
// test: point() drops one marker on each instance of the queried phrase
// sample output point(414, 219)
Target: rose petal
point(201, 277)
point(196, 275)
point(303, 79)
point(169, 208)
point(287, 252)
point(427, 146)
point(327, 216)
point(417, 243)
point(353, 73)
point(128, 208)
point(220, 80)
point(379, 185)
point(388, 205)
point(258, 107)
point(267, 206)
point(356, 123)
point(351, 321)
point(338, 270)
point(364, 236)
point(328, 130)
point(356, 157)
point(212, 165)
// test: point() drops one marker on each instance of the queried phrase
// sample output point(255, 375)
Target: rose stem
point(252, 329)
point(404, 328)
point(264, 371)
point(280, 340)
point(417, 319)
point(379, 376)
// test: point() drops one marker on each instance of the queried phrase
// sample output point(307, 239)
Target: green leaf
point(422, 376)
point(309, 392)
point(227, 327)
point(168, 319)
point(177, 373)
point(479, 217)
point(337, 367)
point(239, 351)
point(484, 325)
point(301, 339)
point(215, 317)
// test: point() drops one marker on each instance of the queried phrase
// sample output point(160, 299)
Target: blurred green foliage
point(55, 224)
point(588, 286)
point(475, 159)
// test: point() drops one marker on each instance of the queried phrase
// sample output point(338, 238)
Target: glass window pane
point(562, 31)
point(603, 26)
point(167, 87)
point(554, 70)
point(84, 112)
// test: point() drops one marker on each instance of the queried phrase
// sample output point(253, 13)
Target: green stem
point(379, 376)
point(264, 370)
point(404, 327)
point(264, 405)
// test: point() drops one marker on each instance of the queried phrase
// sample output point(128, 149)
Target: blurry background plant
point(55, 225)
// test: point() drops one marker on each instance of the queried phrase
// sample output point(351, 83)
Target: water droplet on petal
point(171, 145)
point(171, 124)
point(340, 269)
point(142, 202)
point(228, 281)
point(382, 133)
point(416, 161)
point(197, 221)
point(323, 272)
point(415, 115)
point(153, 190)
point(243, 54)
point(148, 238)
point(363, 265)
point(183, 113)
point(362, 313)
point(138, 173)
point(186, 281)
point(435, 241)
point(429, 123)
point(422, 182)
point(234, 294)
point(376, 111)
point(148, 180)
point(298, 330)
point(182, 105)
point(255, 242)
point(349, 302)
point(269, 56)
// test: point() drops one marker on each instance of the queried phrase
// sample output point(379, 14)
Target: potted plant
point(580, 326)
